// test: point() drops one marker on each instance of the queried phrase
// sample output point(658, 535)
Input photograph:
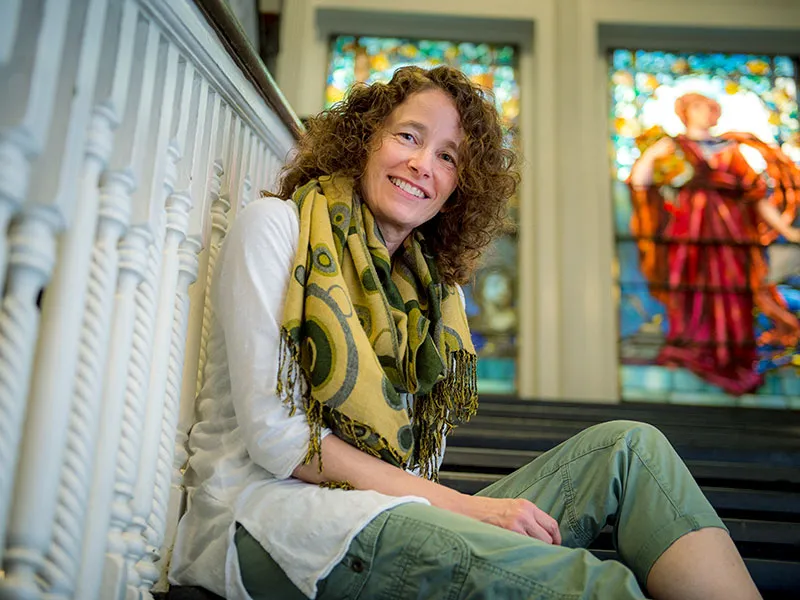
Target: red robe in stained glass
point(703, 257)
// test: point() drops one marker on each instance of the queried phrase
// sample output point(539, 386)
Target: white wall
point(568, 330)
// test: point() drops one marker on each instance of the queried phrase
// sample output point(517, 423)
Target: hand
point(663, 147)
point(516, 514)
point(793, 235)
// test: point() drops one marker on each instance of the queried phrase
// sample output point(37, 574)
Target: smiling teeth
point(407, 187)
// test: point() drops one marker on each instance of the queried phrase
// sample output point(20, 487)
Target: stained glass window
point(370, 59)
point(491, 300)
point(683, 293)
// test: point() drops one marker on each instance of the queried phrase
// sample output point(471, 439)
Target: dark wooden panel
point(503, 460)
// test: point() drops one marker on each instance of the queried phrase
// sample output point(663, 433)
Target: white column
point(219, 226)
point(136, 144)
point(25, 115)
point(40, 457)
point(63, 305)
point(148, 365)
point(26, 108)
point(244, 185)
point(260, 181)
point(170, 478)
point(231, 183)
point(30, 264)
point(204, 188)
point(192, 173)
point(204, 181)
point(162, 425)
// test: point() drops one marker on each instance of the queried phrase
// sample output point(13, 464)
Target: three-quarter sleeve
point(253, 275)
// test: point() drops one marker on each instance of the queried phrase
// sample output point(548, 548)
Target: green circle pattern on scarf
point(391, 395)
point(300, 275)
point(406, 438)
point(321, 352)
point(323, 260)
point(368, 281)
point(365, 318)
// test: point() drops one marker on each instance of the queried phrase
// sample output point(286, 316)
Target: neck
point(392, 237)
point(697, 133)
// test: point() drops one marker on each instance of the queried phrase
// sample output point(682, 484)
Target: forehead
point(433, 109)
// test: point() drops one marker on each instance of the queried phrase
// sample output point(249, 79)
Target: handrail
point(235, 40)
point(129, 142)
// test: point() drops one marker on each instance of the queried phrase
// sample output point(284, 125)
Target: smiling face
point(413, 165)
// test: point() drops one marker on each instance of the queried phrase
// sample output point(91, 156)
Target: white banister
point(24, 123)
point(51, 202)
point(99, 338)
point(219, 226)
point(84, 323)
point(97, 537)
point(152, 138)
point(33, 64)
point(204, 182)
point(146, 378)
point(170, 478)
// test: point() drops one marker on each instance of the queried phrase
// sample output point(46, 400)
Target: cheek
point(448, 180)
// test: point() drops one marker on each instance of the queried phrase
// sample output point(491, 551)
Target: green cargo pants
point(621, 472)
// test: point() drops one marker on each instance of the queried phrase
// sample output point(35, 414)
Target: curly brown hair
point(339, 140)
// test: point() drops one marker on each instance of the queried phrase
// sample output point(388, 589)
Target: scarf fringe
point(452, 401)
point(291, 380)
point(337, 485)
point(382, 449)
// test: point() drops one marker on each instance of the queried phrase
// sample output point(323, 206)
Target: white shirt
point(244, 445)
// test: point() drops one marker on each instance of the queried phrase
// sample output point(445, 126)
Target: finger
point(556, 533)
point(540, 533)
point(550, 525)
point(535, 530)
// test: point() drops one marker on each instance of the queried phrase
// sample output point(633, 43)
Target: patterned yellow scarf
point(359, 328)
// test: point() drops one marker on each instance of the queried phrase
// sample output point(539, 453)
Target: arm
point(773, 218)
point(249, 290)
point(642, 171)
point(343, 462)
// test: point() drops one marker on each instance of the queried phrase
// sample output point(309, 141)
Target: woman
point(341, 358)
point(702, 255)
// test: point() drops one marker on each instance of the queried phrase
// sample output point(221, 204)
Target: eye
point(448, 158)
point(406, 136)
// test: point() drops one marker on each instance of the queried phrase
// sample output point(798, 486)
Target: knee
point(637, 435)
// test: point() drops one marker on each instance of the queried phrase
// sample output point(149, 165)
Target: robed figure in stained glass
point(702, 216)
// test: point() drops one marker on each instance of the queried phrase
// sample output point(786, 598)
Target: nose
point(421, 162)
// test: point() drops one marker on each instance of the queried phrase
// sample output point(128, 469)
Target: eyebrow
point(423, 129)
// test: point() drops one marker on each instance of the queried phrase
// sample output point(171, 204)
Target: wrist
point(454, 501)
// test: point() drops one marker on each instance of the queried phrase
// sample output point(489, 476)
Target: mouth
point(409, 188)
